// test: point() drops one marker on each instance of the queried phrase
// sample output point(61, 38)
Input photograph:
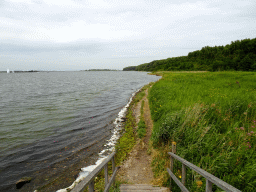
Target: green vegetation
point(237, 56)
point(131, 68)
point(141, 130)
point(127, 141)
point(212, 117)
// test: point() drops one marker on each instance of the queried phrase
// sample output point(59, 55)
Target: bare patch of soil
point(137, 168)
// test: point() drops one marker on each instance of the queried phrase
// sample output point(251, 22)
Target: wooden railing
point(210, 179)
point(89, 180)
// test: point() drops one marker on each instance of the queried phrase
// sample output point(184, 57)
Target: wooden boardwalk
point(142, 188)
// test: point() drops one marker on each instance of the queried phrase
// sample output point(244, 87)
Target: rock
point(22, 182)
point(123, 119)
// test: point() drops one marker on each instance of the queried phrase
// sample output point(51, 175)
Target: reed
point(212, 117)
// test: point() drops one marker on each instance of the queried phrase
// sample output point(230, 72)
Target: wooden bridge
point(210, 179)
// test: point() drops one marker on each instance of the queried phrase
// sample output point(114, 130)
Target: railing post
point(106, 174)
point(208, 186)
point(172, 160)
point(183, 175)
point(91, 186)
point(113, 168)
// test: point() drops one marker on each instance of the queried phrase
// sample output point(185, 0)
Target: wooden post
point(183, 174)
point(106, 174)
point(91, 186)
point(208, 186)
point(113, 168)
point(174, 147)
point(172, 161)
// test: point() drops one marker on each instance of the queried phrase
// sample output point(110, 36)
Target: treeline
point(240, 55)
point(130, 68)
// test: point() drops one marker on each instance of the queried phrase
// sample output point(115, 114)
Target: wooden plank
point(112, 179)
point(113, 168)
point(208, 186)
point(91, 186)
point(222, 184)
point(174, 147)
point(142, 190)
point(183, 174)
point(106, 174)
point(142, 187)
point(172, 161)
point(181, 186)
point(171, 166)
point(134, 187)
point(83, 184)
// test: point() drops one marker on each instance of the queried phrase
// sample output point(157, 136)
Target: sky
point(113, 34)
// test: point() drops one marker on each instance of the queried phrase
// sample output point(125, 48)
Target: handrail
point(89, 180)
point(210, 179)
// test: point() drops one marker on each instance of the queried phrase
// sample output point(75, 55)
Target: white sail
point(8, 71)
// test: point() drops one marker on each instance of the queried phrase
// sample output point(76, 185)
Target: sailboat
point(8, 71)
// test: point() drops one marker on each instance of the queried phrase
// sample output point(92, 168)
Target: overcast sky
point(93, 34)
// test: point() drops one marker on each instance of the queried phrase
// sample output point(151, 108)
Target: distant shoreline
point(32, 71)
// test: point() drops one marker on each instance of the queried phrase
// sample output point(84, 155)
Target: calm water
point(45, 114)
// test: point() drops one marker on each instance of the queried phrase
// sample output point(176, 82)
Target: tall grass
point(212, 117)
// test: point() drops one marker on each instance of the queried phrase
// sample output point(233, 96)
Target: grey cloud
point(40, 12)
point(164, 34)
point(39, 48)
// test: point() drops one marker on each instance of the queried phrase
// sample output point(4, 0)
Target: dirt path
point(137, 168)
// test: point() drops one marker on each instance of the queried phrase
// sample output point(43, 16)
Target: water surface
point(49, 116)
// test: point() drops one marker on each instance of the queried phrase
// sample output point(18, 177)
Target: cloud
point(22, 47)
point(110, 31)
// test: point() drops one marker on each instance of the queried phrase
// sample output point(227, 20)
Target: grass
point(141, 130)
point(212, 118)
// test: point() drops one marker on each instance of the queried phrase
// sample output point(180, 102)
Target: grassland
point(212, 117)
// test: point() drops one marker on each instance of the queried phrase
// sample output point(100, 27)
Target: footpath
point(136, 170)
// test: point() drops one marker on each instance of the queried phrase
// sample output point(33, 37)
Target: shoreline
point(118, 132)
point(111, 143)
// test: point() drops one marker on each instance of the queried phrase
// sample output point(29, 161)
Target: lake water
point(47, 117)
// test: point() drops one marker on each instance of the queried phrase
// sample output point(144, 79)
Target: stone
point(22, 182)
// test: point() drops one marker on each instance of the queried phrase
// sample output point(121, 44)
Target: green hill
point(240, 55)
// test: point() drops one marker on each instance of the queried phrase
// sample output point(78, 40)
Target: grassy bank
point(212, 118)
